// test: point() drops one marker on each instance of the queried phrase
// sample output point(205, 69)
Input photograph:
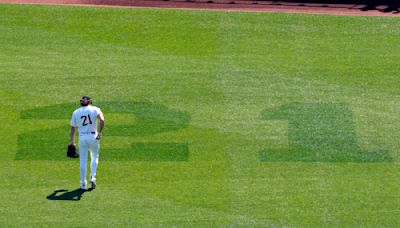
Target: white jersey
point(84, 118)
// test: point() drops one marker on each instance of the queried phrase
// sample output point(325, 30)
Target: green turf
point(319, 132)
point(213, 119)
point(148, 119)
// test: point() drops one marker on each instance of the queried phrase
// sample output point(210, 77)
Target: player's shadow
point(64, 194)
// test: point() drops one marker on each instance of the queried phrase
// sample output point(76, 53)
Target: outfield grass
point(213, 118)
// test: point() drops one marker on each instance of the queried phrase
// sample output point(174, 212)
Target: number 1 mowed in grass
point(319, 132)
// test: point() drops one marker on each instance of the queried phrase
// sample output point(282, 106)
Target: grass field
point(213, 119)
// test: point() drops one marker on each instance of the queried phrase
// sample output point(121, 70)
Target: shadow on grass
point(384, 6)
point(64, 194)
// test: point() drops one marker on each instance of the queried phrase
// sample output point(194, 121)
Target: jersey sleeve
point(98, 112)
point(73, 122)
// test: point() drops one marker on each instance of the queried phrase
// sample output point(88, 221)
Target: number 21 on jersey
point(86, 120)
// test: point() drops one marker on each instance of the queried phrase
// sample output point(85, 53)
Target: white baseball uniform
point(84, 118)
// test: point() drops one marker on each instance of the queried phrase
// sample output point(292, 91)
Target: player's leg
point(94, 157)
point(83, 156)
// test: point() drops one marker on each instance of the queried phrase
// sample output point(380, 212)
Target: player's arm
point(72, 135)
point(100, 118)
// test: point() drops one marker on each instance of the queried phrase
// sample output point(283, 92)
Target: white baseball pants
point(88, 143)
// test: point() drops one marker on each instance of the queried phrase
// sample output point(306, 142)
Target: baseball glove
point(71, 152)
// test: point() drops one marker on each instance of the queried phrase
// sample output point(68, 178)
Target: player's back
point(85, 119)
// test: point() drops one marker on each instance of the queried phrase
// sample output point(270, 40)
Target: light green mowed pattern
point(213, 118)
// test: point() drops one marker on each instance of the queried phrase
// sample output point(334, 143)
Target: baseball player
point(85, 119)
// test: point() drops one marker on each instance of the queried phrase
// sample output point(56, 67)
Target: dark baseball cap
point(86, 98)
